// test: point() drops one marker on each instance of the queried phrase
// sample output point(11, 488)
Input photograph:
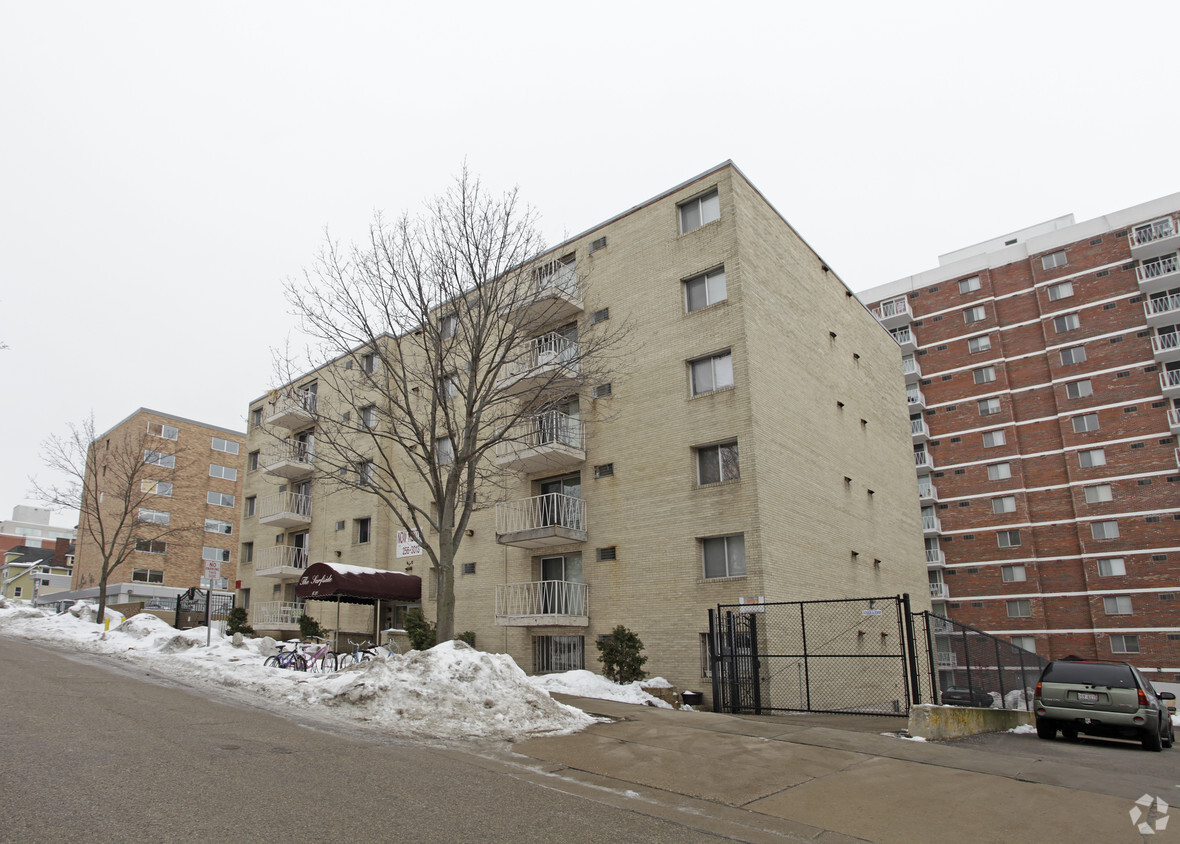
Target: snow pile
point(1024, 730)
point(451, 691)
point(589, 684)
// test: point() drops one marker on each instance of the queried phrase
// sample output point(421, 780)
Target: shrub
point(236, 622)
point(622, 657)
point(420, 631)
point(467, 636)
point(309, 628)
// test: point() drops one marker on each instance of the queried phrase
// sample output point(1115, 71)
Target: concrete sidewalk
point(827, 778)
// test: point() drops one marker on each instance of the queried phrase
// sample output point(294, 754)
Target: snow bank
point(589, 684)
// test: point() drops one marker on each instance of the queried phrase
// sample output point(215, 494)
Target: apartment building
point(1043, 381)
point(186, 498)
point(30, 526)
point(755, 445)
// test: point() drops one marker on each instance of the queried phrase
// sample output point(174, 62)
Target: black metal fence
point(200, 607)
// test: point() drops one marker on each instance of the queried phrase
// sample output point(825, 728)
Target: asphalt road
point(91, 750)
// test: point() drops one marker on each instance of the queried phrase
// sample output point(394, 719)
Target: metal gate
point(852, 655)
point(199, 607)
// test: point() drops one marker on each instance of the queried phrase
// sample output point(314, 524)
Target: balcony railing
point(944, 659)
point(547, 296)
point(1166, 345)
point(910, 368)
point(293, 408)
point(1170, 382)
point(1151, 233)
point(931, 524)
point(547, 440)
point(549, 519)
point(275, 612)
point(927, 492)
point(904, 338)
point(893, 313)
point(539, 362)
point(922, 459)
point(1174, 420)
point(285, 509)
point(935, 557)
point(287, 459)
point(1158, 274)
point(280, 561)
point(939, 591)
point(915, 398)
point(1162, 309)
point(549, 602)
point(918, 429)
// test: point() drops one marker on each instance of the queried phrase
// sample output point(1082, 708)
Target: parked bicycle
point(320, 658)
point(291, 658)
point(361, 652)
point(390, 647)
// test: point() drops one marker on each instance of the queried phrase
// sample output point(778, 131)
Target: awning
point(356, 584)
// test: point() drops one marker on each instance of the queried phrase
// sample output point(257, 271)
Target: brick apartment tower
point(193, 478)
point(1043, 373)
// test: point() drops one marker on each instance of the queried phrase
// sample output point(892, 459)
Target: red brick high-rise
point(1043, 370)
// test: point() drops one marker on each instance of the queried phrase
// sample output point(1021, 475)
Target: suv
point(1101, 698)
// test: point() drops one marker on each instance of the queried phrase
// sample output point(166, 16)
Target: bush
point(622, 656)
point(467, 636)
point(309, 628)
point(420, 631)
point(236, 622)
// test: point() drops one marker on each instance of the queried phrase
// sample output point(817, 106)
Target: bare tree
point(443, 337)
point(108, 484)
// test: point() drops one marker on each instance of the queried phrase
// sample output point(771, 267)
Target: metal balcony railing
point(918, 427)
point(1158, 230)
point(550, 428)
point(931, 523)
point(546, 350)
point(285, 502)
point(935, 557)
point(542, 598)
point(1157, 268)
point(275, 612)
point(939, 591)
point(280, 556)
point(894, 307)
point(902, 336)
point(294, 452)
point(552, 509)
point(1162, 305)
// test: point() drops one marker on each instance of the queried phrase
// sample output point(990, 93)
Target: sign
point(213, 569)
point(871, 612)
point(753, 604)
point(407, 544)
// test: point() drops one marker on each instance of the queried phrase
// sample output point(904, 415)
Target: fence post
point(714, 657)
point(755, 663)
point(911, 653)
point(806, 660)
point(967, 659)
point(208, 617)
point(1000, 674)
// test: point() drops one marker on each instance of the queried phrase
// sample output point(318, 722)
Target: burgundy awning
point(356, 584)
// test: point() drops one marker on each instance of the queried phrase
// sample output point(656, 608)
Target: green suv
point(1101, 698)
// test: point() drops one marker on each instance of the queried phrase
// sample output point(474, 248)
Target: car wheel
point(1069, 734)
point(1152, 740)
point(1046, 729)
point(1170, 738)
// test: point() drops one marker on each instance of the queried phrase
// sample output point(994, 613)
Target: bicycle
point(320, 659)
point(292, 659)
point(361, 652)
point(392, 647)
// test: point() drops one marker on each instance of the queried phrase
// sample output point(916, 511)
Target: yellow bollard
point(106, 624)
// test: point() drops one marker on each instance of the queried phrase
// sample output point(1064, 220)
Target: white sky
point(164, 167)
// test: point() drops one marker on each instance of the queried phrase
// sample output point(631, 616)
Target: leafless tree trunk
point(424, 333)
point(108, 483)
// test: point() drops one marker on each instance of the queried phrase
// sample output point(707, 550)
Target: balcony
point(282, 614)
point(1166, 347)
point(915, 398)
point(919, 432)
point(894, 313)
point(1170, 383)
point(285, 509)
point(927, 493)
point(287, 460)
point(935, 558)
point(931, 525)
point(550, 441)
point(293, 409)
point(1162, 311)
point(541, 521)
point(911, 369)
point(549, 362)
point(1158, 274)
point(945, 659)
point(905, 339)
point(555, 603)
point(549, 296)
point(1154, 239)
point(939, 592)
point(282, 561)
point(922, 461)
point(1174, 422)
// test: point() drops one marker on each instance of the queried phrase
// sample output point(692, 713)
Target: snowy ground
point(448, 692)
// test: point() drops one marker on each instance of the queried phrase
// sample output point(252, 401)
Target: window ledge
point(707, 580)
point(718, 483)
point(713, 392)
point(701, 310)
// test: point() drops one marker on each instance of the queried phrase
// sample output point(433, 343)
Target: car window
point(1090, 673)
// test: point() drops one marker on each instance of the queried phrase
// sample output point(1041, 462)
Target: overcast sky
point(164, 167)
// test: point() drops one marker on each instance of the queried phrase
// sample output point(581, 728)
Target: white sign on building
point(407, 544)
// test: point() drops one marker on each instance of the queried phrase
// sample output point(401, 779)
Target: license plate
point(1087, 697)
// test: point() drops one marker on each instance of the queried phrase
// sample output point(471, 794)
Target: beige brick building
point(190, 485)
point(756, 444)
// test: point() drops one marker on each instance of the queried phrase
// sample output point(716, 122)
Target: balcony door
point(299, 555)
point(560, 424)
point(305, 445)
point(556, 597)
point(556, 510)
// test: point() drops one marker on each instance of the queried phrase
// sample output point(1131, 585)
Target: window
point(1117, 605)
point(1093, 457)
point(369, 362)
point(251, 505)
point(447, 326)
point(255, 417)
point(155, 517)
point(1019, 609)
point(252, 460)
point(1013, 574)
point(364, 473)
point(1079, 389)
point(1074, 354)
point(147, 575)
point(220, 499)
point(699, 211)
point(221, 555)
point(1112, 567)
point(704, 290)
point(1104, 530)
point(1053, 260)
point(225, 445)
point(368, 415)
point(1066, 322)
point(558, 653)
point(444, 450)
point(976, 314)
point(1004, 504)
point(1008, 538)
point(1087, 422)
point(1098, 494)
point(156, 488)
point(1124, 644)
point(156, 458)
point(218, 526)
point(158, 429)
point(991, 439)
point(1060, 291)
point(226, 472)
point(984, 375)
point(1025, 643)
point(987, 407)
point(363, 530)
point(711, 373)
point(247, 552)
point(448, 388)
point(724, 556)
point(717, 463)
point(151, 546)
point(604, 470)
point(969, 285)
point(979, 344)
point(999, 471)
